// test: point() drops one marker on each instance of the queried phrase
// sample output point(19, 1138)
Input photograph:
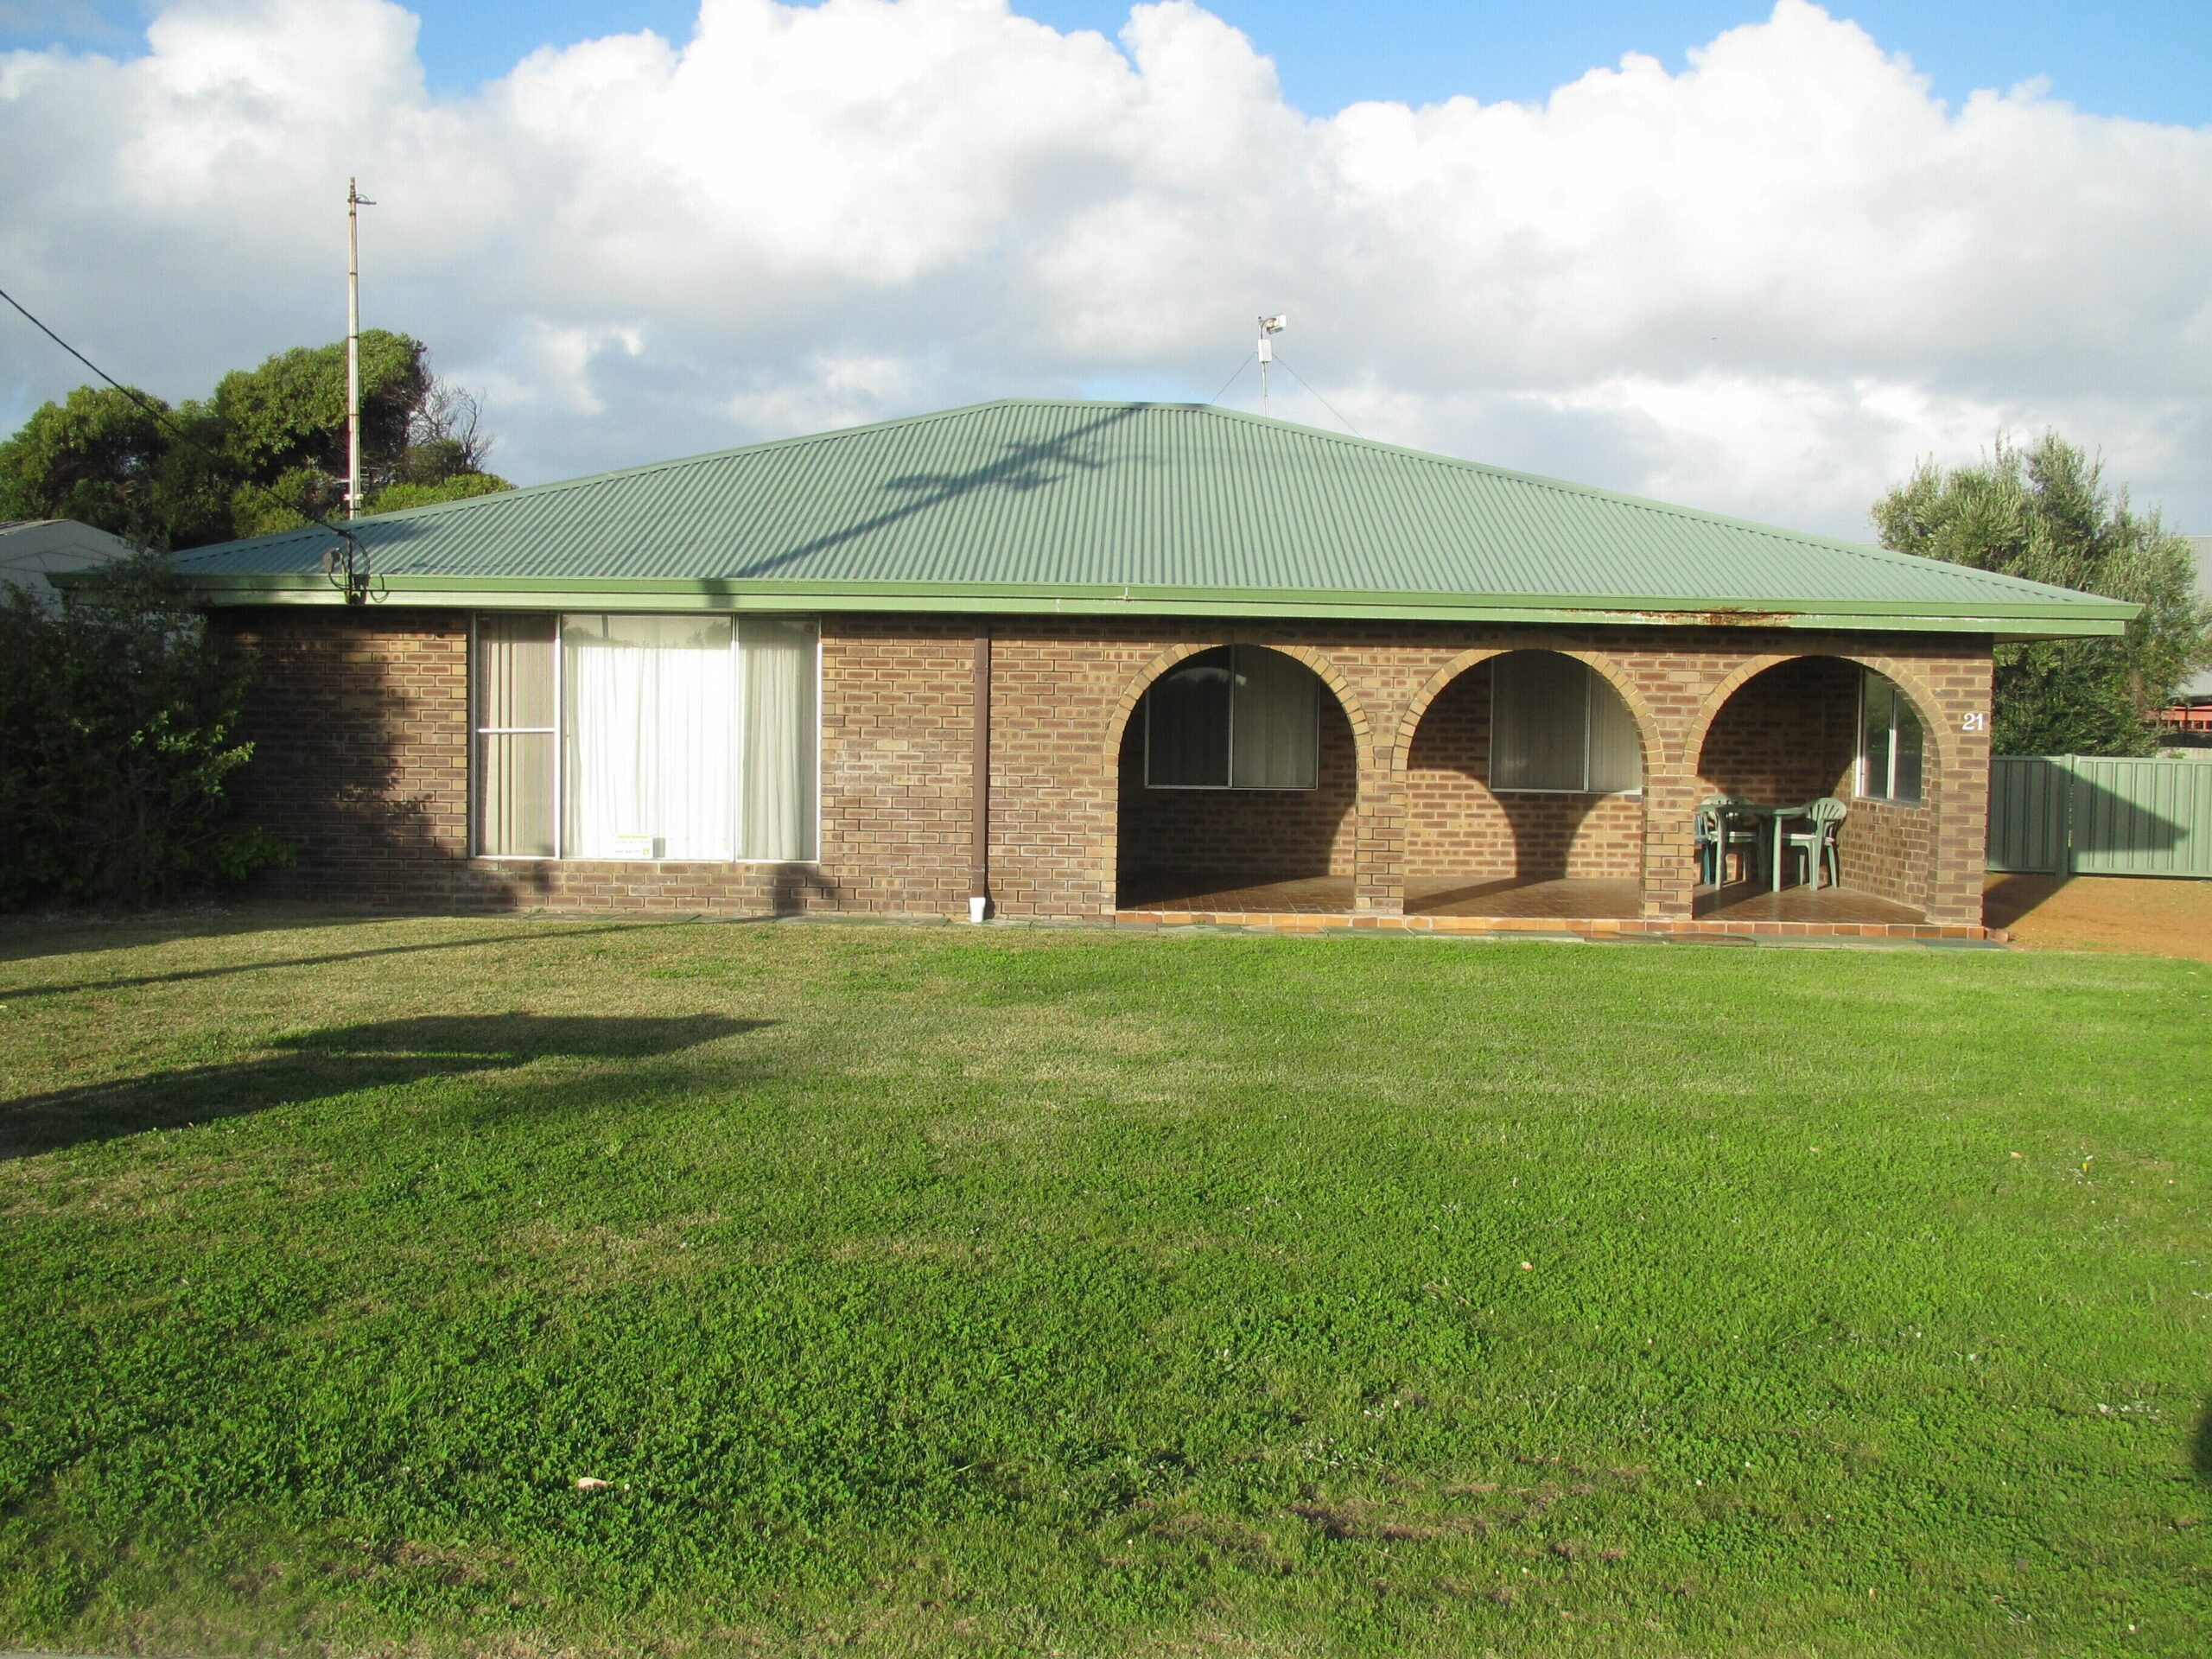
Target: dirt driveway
point(2162, 917)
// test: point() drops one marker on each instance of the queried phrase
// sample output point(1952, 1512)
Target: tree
point(118, 718)
point(108, 459)
point(264, 453)
point(2046, 513)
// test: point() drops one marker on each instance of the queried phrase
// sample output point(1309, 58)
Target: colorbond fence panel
point(2027, 814)
point(2101, 816)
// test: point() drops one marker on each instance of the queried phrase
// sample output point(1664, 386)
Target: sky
point(1759, 258)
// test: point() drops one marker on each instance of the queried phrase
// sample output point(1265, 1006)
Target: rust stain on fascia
point(1716, 618)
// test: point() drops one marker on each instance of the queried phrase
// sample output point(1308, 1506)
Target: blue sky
point(2148, 59)
point(1771, 286)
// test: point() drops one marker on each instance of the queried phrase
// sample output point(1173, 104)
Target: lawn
point(922, 1290)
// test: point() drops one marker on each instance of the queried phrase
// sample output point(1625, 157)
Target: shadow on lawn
point(341, 1060)
point(504, 940)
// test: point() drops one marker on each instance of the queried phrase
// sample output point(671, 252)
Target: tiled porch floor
point(1507, 899)
point(1467, 895)
point(1749, 901)
point(1310, 896)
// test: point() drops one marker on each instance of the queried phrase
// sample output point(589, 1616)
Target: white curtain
point(776, 790)
point(649, 705)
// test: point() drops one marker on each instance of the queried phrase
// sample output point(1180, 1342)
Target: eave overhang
point(2083, 618)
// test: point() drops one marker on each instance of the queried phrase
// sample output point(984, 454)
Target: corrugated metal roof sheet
point(1022, 500)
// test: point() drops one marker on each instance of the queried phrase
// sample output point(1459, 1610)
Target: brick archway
point(1907, 679)
point(1924, 852)
point(1607, 668)
point(1357, 726)
point(1326, 672)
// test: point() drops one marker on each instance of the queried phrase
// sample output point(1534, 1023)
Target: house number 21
point(1975, 721)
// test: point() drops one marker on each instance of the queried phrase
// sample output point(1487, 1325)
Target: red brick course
point(362, 722)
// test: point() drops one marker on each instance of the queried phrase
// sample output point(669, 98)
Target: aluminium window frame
point(478, 730)
point(1590, 679)
point(560, 854)
point(1232, 788)
point(1899, 704)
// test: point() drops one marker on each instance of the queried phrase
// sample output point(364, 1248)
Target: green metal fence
point(2094, 815)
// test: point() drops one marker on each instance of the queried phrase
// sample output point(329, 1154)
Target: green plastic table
point(1779, 815)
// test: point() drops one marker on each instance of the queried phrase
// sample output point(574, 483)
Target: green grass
point(932, 1290)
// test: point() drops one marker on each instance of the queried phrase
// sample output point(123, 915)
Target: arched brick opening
point(1785, 728)
point(1473, 848)
point(1182, 848)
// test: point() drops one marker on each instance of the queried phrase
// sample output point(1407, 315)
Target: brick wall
point(1786, 735)
point(361, 726)
point(1456, 826)
point(363, 720)
point(1242, 834)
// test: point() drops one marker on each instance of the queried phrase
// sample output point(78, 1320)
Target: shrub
point(118, 715)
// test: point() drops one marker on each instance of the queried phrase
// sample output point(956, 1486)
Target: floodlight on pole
point(1269, 327)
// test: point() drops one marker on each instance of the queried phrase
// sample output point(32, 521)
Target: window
point(645, 737)
point(1235, 718)
point(1557, 726)
point(515, 800)
point(1889, 741)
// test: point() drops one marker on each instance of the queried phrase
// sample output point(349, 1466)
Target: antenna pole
point(1269, 327)
point(352, 349)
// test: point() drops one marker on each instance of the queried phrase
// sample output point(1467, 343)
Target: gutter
point(2088, 618)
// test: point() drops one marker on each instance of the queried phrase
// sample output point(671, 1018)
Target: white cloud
point(1765, 283)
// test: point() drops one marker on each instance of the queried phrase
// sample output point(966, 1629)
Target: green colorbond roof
point(1131, 508)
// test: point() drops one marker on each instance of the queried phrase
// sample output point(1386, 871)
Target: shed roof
point(1022, 505)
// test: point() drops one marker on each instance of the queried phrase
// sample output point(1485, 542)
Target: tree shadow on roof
point(346, 1060)
point(1025, 466)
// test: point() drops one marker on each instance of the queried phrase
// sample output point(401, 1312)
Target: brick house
point(1099, 659)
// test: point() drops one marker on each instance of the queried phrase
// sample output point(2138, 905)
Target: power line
point(356, 573)
point(1325, 403)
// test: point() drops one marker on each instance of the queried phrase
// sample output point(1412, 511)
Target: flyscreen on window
point(1238, 717)
point(1557, 727)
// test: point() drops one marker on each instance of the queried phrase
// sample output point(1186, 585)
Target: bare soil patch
point(2158, 916)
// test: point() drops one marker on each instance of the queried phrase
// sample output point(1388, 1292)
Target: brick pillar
point(1958, 845)
point(1379, 849)
point(1670, 798)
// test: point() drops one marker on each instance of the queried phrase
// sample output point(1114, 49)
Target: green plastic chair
point(1818, 842)
point(1720, 832)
